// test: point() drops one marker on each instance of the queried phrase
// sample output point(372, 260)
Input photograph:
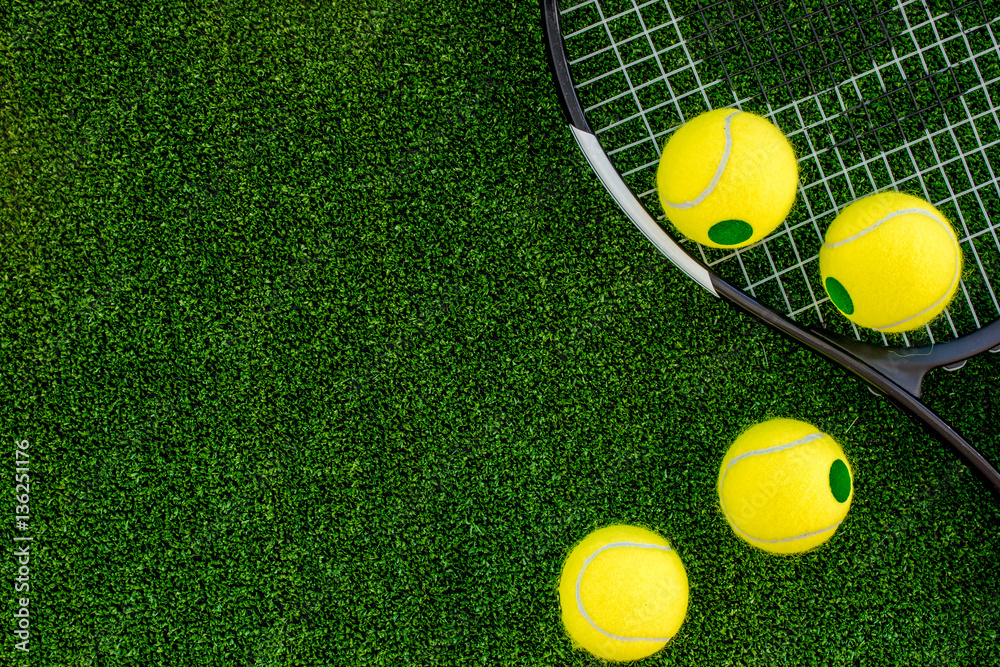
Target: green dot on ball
point(840, 481)
point(730, 232)
point(838, 294)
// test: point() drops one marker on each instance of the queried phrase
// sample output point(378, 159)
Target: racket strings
point(881, 97)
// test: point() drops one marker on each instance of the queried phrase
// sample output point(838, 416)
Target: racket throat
point(906, 368)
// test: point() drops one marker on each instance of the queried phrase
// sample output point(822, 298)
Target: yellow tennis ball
point(727, 178)
point(623, 593)
point(785, 486)
point(890, 262)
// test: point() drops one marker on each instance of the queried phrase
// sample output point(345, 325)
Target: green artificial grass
point(329, 346)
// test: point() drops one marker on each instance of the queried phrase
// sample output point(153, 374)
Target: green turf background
point(329, 347)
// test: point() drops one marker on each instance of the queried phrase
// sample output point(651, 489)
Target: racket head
point(922, 120)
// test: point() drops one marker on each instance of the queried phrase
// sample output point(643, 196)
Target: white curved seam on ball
point(875, 225)
point(806, 439)
point(579, 601)
point(872, 227)
point(954, 281)
point(788, 539)
point(769, 450)
point(757, 452)
point(727, 149)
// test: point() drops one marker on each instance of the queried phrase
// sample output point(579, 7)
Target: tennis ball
point(784, 486)
point(727, 178)
point(623, 593)
point(890, 262)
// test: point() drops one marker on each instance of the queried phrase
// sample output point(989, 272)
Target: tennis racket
point(874, 96)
